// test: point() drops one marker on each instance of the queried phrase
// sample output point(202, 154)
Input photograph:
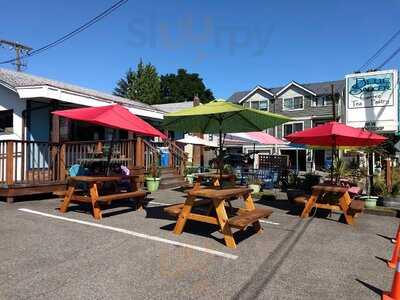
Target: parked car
point(235, 160)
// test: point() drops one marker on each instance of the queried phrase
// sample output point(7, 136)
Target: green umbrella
point(220, 116)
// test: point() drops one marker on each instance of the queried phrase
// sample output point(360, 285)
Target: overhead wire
point(71, 34)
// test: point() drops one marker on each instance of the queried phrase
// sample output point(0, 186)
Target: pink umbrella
point(259, 137)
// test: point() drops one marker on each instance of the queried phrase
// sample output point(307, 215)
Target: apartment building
point(307, 104)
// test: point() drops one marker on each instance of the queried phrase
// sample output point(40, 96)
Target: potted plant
point(189, 174)
point(254, 184)
point(294, 186)
point(392, 198)
point(153, 181)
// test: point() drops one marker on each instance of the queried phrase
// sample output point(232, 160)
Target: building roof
point(319, 88)
point(15, 79)
point(173, 107)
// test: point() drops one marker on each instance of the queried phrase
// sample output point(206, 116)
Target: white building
point(27, 100)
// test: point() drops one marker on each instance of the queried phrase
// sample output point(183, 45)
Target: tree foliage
point(183, 86)
point(146, 86)
point(142, 85)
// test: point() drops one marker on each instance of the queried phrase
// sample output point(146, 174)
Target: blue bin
point(164, 157)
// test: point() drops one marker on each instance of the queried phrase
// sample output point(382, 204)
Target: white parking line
point(262, 221)
point(159, 203)
point(133, 233)
point(269, 222)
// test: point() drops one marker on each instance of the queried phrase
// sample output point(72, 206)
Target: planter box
point(392, 202)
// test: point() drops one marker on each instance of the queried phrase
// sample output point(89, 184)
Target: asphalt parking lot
point(134, 255)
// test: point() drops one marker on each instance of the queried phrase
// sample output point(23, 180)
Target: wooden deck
point(32, 167)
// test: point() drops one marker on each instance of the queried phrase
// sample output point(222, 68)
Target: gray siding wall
point(307, 115)
point(308, 111)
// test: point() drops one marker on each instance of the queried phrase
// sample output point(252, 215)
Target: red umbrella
point(335, 134)
point(114, 116)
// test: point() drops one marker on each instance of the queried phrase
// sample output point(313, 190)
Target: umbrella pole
point(254, 155)
point(109, 155)
point(221, 164)
point(333, 157)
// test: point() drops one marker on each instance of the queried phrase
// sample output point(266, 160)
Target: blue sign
point(372, 84)
point(373, 90)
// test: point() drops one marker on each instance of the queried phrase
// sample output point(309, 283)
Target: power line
point(397, 51)
point(380, 50)
point(72, 33)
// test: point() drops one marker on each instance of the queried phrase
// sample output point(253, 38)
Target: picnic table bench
point(215, 199)
point(74, 195)
point(343, 202)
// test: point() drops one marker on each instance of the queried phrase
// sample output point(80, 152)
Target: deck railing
point(29, 162)
point(177, 157)
point(150, 154)
point(36, 162)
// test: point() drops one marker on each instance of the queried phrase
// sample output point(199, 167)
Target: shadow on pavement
point(382, 259)
point(121, 206)
point(371, 287)
point(384, 236)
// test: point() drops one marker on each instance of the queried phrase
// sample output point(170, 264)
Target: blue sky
point(233, 45)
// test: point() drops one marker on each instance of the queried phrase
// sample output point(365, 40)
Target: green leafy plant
point(228, 169)
point(190, 170)
point(293, 180)
point(310, 179)
point(340, 170)
point(380, 187)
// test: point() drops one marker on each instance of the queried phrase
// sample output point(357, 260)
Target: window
point(319, 122)
point(263, 105)
point(295, 103)
point(328, 100)
point(6, 119)
point(322, 101)
point(210, 137)
point(319, 101)
point(255, 104)
point(246, 104)
point(292, 127)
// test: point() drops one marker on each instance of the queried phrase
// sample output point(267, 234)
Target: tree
point(142, 85)
point(183, 86)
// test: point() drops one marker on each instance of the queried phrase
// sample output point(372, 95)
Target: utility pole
point(19, 51)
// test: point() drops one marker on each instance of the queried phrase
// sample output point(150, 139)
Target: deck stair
point(171, 179)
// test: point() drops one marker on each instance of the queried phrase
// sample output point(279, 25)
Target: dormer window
point(295, 103)
point(261, 104)
point(321, 101)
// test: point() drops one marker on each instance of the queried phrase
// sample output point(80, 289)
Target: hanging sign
point(372, 100)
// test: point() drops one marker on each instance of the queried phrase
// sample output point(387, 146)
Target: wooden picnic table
point(344, 203)
point(93, 182)
point(215, 178)
point(216, 198)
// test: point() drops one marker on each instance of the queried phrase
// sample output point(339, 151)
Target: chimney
point(196, 100)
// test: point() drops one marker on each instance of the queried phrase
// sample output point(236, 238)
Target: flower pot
point(255, 188)
point(190, 178)
point(152, 183)
point(369, 201)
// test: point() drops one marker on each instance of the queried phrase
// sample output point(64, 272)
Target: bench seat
point(245, 218)
point(301, 200)
point(119, 196)
point(356, 206)
point(174, 210)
